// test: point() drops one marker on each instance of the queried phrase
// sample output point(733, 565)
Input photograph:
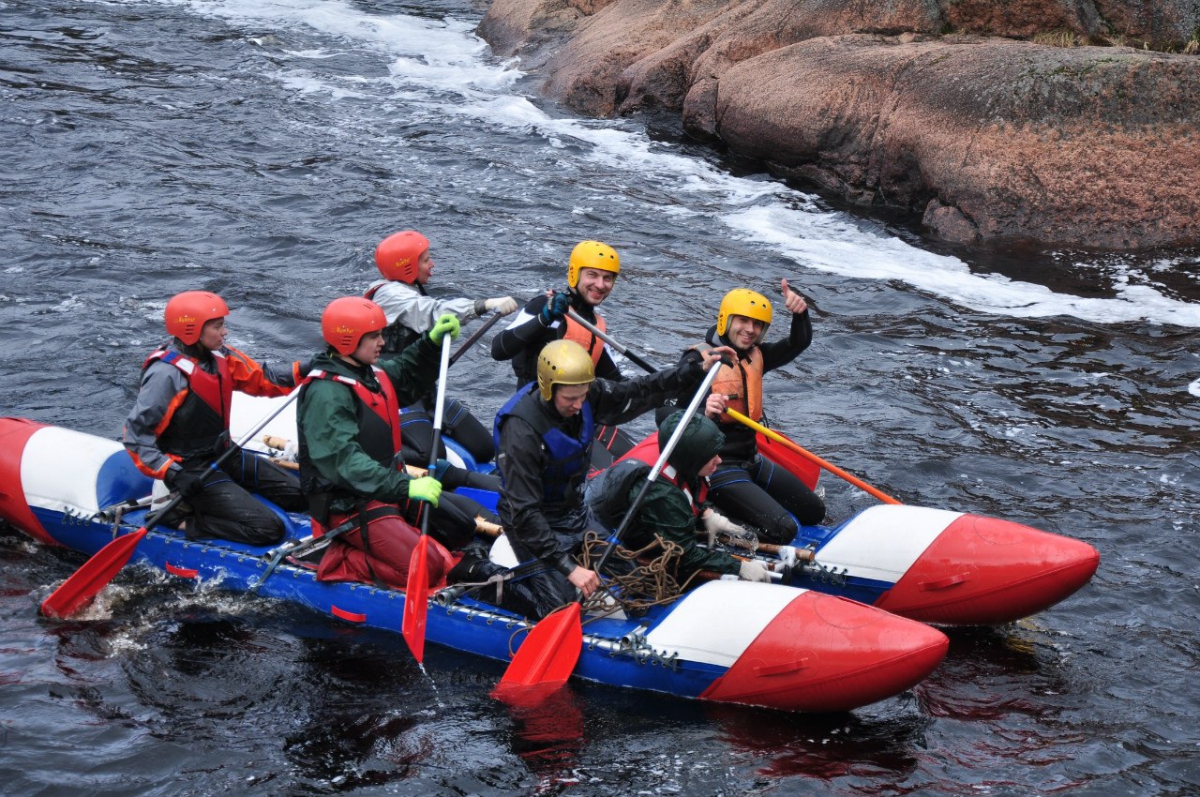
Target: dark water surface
point(261, 149)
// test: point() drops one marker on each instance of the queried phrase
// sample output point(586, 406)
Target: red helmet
point(188, 312)
point(397, 255)
point(346, 320)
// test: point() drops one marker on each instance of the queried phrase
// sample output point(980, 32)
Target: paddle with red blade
point(550, 652)
point(802, 468)
point(416, 594)
point(83, 585)
point(786, 443)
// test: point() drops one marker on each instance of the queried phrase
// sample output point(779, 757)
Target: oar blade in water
point(416, 600)
point(549, 653)
point(83, 585)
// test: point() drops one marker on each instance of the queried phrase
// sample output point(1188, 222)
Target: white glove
point(715, 523)
point(753, 571)
point(505, 304)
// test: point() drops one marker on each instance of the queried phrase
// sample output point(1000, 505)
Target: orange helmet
point(188, 312)
point(397, 255)
point(346, 320)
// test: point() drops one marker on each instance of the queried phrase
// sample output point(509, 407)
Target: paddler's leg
point(465, 429)
point(736, 495)
point(791, 493)
point(223, 509)
point(259, 475)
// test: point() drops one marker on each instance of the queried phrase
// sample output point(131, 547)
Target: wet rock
point(984, 137)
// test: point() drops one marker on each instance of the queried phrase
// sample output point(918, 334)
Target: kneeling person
point(544, 436)
point(179, 426)
point(349, 427)
point(675, 503)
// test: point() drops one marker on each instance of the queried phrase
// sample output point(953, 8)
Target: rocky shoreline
point(958, 113)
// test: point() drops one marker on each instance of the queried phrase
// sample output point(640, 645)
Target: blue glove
point(556, 308)
point(445, 323)
point(439, 470)
point(426, 488)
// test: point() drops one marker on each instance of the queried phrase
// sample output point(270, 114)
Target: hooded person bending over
point(179, 425)
point(404, 262)
point(676, 503)
point(544, 435)
point(746, 486)
point(349, 428)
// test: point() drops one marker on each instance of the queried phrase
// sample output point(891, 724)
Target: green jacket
point(667, 509)
point(668, 512)
point(328, 424)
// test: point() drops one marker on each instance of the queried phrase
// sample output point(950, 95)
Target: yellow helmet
point(563, 362)
point(592, 254)
point(743, 301)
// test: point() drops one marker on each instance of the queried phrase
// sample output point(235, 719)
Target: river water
point(261, 149)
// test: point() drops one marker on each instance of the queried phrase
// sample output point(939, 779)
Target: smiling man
point(591, 274)
point(745, 485)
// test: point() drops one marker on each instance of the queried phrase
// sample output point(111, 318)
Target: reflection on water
point(824, 747)
point(547, 732)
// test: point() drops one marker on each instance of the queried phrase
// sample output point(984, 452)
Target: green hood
point(700, 442)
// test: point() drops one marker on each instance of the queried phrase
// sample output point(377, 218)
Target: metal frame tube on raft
point(726, 641)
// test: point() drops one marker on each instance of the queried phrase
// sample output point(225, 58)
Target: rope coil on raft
point(643, 580)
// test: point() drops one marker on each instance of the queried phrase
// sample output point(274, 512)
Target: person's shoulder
point(665, 494)
point(390, 288)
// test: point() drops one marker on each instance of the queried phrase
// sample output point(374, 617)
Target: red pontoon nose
point(824, 653)
point(983, 571)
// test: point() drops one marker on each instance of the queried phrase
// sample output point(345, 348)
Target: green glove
point(445, 323)
point(425, 489)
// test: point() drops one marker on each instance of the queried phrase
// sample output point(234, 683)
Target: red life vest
point(378, 414)
point(696, 501)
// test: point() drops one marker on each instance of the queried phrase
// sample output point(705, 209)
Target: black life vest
point(199, 424)
point(568, 456)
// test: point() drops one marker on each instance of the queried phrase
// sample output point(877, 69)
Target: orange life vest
point(590, 343)
point(742, 385)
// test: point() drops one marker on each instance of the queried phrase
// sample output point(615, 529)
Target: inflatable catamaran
point(728, 641)
point(934, 565)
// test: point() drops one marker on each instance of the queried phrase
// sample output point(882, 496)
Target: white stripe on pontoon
point(717, 621)
point(60, 467)
point(881, 543)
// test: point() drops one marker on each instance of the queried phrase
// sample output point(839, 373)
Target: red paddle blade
point(548, 655)
point(803, 468)
point(416, 600)
point(78, 590)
